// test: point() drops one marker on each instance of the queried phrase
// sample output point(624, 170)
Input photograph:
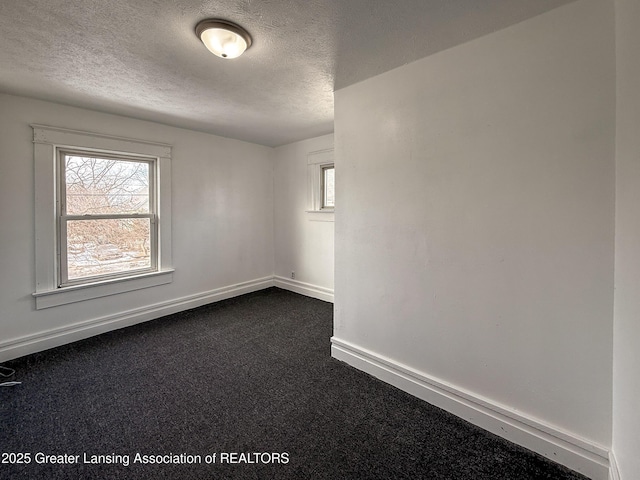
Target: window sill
point(321, 215)
point(78, 293)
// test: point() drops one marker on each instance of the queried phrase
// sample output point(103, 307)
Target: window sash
point(63, 219)
point(323, 187)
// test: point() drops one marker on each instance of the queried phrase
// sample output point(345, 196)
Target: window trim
point(316, 162)
point(47, 142)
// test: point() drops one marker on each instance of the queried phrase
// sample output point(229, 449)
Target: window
point(321, 185)
point(328, 186)
point(103, 215)
point(106, 216)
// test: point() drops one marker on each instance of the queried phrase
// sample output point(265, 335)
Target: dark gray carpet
point(248, 375)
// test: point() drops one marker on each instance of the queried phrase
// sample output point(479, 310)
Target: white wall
point(474, 238)
point(222, 210)
point(302, 244)
point(626, 371)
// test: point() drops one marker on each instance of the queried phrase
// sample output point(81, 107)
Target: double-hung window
point(106, 216)
point(102, 215)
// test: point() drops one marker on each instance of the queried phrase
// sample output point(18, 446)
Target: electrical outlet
point(293, 275)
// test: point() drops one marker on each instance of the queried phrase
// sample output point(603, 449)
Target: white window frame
point(48, 143)
point(63, 217)
point(316, 163)
point(323, 186)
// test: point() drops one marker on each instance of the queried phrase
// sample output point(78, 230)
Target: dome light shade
point(223, 38)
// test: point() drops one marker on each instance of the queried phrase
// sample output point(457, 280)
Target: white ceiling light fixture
point(223, 38)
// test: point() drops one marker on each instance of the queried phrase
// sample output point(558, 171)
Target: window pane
point(329, 187)
point(101, 247)
point(105, 186)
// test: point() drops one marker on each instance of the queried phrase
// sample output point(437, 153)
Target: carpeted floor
point(250, 375)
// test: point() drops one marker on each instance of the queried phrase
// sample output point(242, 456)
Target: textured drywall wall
point(626, 371)
point(222, 212)
point(474, 238)
point(302, 245)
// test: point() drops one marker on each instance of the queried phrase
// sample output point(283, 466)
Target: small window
point(328, 186)
point(106, 216)
point(321, 176)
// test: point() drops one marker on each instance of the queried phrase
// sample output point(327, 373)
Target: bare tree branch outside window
point(95, 187)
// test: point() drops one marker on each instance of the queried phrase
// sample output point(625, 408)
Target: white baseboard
point(70, 333)
point(614, 473)
point(563, 447)
point(303, 288)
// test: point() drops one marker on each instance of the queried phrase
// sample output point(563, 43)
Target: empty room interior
point(436, 200)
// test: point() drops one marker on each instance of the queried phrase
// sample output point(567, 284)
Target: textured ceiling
point(142, 59)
